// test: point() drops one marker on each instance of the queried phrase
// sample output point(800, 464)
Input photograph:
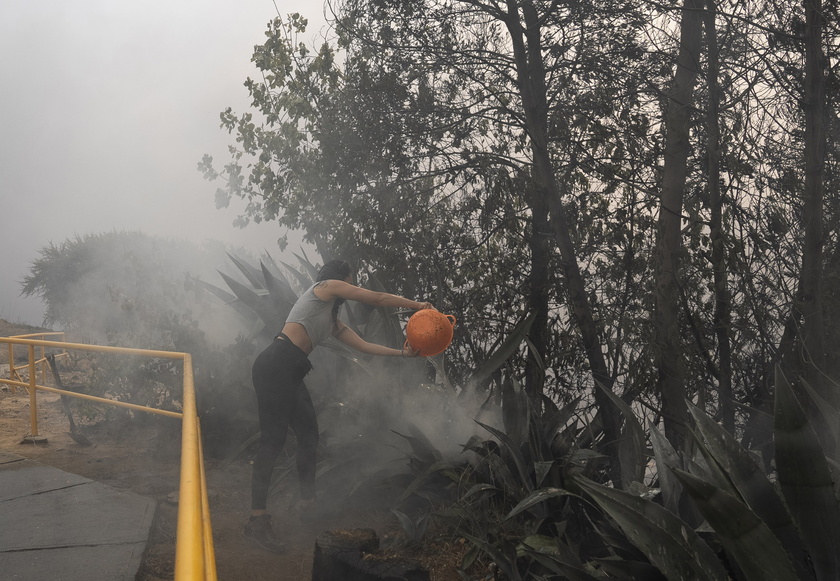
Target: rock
point(351, 555)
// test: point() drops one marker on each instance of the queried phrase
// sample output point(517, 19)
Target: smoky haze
point(105, 111)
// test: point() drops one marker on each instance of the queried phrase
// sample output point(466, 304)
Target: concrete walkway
point(59, 526)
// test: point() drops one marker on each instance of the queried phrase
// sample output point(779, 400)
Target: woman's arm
point(338, 289)
point(349, 337)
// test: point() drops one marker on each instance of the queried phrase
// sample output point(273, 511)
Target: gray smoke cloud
point(106, 109)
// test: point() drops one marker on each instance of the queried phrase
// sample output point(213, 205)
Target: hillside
point(8, 329)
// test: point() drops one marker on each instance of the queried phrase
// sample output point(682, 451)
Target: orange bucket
point(429, 331)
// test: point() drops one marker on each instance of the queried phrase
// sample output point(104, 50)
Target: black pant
point(283, 402)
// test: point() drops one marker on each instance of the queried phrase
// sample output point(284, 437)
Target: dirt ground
point(143, 457)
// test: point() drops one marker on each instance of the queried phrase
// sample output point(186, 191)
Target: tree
point(669, 244)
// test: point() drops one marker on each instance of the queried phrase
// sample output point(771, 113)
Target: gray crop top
point(314, 314)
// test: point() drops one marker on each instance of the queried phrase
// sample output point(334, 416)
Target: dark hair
point(334, 270)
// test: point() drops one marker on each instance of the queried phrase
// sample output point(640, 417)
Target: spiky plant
point(537, 505)
point(783, 525)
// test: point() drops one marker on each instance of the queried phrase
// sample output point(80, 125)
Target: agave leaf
point(559, 419)
point(468, 559)
point(443, 466)
point(629, 570)
point(475, 444)
point(541, 470)
point(513, 486)
point(488, 451)
point(503, 353)
point(406, 522)
point(423, 449)
point(541, 544)
point(585, 455)
point(828, 412)
point(671, 545)
point(253, 275)
point(746, 538)
point(278, 287)
point(303, 280)
point(631, 446)
point(383, 329)
point(414, 529)
point(746, 476)
point(229, 299)
point(307, 265)
point(549, 406)
point(618, 542)
point(536, 497)
point(666, 456)
point(710, 469)
point(805, 479)
point(477, 488)
point(339, 348)
point(537, 358)
point(216, 291)
point(559, 567)
point(266, 256)
point(515, 454)
point(505, 562)
point(253, 300)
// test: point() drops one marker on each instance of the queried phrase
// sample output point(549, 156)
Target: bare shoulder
point(327, 290)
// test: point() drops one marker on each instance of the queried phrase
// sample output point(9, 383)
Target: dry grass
point(8, 329)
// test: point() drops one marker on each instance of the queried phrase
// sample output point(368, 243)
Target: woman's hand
point(426, 306)
point(409, 351)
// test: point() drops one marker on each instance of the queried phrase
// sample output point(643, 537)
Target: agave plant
point(538, 505)
point(508, 494)
point(785, 525)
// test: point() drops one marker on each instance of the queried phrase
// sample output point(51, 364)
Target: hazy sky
point(106, 107)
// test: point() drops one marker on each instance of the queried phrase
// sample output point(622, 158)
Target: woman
point(282, 397)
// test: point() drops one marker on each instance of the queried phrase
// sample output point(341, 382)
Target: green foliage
point(537, 505)
point(406, 145)
point(397, 146)
point(780, 531)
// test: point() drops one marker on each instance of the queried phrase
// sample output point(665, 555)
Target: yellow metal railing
point(13, 371)
point(194, 551)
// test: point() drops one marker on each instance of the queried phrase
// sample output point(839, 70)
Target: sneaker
point(258, 530)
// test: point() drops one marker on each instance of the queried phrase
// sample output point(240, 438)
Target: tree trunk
point(719, 261)
point(530, 72)
point(538, 297)
point(669, 244)
point(813, 337)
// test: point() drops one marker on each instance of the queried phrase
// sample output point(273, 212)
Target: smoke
point(392, 423)
point(132, 289)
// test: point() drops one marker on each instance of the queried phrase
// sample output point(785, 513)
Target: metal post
point(12, 365)
point(33, 401)
point(43, 363)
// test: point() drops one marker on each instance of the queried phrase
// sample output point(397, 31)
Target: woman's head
point(334, 270)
